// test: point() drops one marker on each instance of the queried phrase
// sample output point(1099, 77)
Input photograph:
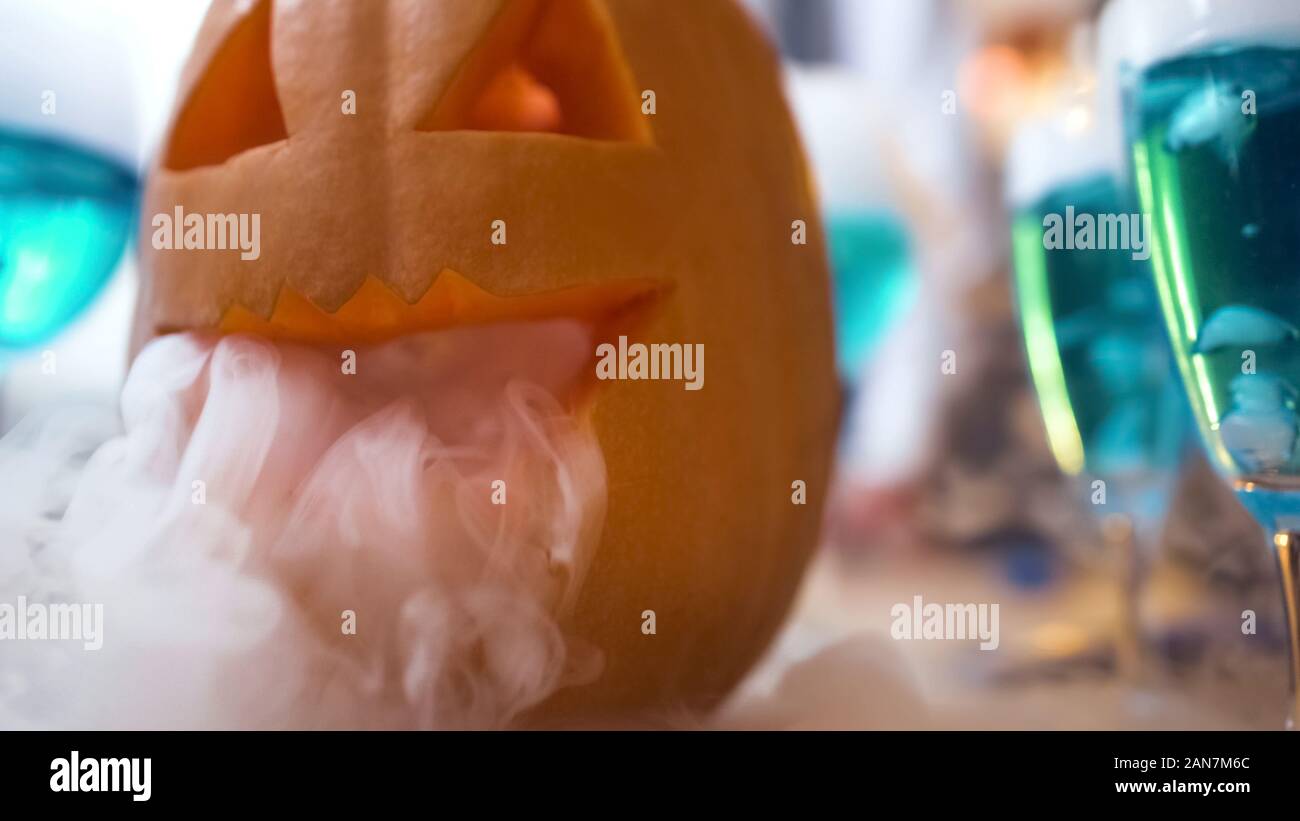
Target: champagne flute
point(1213, 116)
point(1097, 355)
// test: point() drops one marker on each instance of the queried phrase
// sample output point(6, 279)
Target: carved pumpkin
point(675, 226)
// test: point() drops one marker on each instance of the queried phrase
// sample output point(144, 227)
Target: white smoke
point(254, 492)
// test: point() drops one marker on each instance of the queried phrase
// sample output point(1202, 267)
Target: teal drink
point(65, 216)
point(872, 276)
point(1216, 162)
point(1097, 353)
point(1214, 137)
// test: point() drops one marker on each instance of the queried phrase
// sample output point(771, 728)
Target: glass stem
point(1287, 544)
point(1121, 538)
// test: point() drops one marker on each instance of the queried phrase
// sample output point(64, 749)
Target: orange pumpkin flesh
point(517, 101)
point(529, 50)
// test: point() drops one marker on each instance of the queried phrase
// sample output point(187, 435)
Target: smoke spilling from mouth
point(278, 542)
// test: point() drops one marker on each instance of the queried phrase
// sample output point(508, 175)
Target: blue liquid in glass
point(872, 280)
point(65, 215)
point(1098, 355)
point(1225, 179)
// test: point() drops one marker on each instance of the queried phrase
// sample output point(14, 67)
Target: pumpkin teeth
point(376, 313)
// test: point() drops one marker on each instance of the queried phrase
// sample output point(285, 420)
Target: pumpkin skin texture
point(697, 200)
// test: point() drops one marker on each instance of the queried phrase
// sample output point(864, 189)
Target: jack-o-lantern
point(639, 159)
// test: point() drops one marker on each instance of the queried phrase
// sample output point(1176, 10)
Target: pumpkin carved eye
point(528, 74)
point(233, 106)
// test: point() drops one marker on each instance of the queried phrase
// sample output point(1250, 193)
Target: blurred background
point(947, 486)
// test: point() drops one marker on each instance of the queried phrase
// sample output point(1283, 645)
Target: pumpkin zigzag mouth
point(376, 313)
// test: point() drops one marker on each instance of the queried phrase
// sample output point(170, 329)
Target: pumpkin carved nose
point(526, 75)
